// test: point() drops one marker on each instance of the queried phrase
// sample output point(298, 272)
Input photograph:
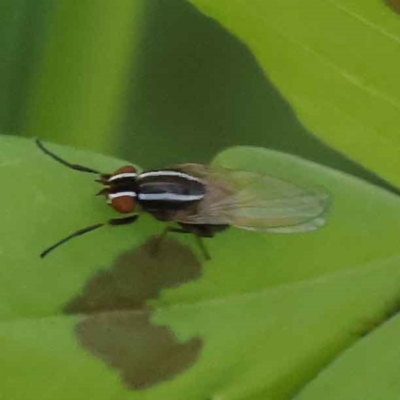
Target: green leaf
point(106, 317)
point(367, 371)
point(336, 62)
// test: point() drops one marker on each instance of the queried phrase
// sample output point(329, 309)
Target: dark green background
point(193, 90)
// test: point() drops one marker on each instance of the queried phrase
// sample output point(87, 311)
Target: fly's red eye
point(126, 169)
point(123, 204)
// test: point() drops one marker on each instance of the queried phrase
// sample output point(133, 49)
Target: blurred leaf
point(141, 77)
point(336, 62)
point(80, 82)
point(103, 319)
point(21, 32)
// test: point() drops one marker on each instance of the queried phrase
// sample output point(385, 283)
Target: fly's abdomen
point(169, 190)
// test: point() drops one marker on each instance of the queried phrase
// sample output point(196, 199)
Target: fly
point(203, 200)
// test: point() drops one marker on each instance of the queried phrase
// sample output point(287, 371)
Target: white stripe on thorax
point(112, 196)
point(170, 196)
point(169, 173)
point(122, 175)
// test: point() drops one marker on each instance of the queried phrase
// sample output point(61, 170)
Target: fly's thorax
point(168, 190)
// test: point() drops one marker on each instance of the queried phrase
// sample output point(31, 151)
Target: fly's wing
point(255, 201)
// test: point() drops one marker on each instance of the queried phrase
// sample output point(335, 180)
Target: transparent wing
point(255, 201)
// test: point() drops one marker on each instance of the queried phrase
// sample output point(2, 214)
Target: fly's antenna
point(69, 237)
point(75, 167)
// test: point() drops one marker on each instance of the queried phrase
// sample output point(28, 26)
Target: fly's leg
point(159, 239)
point(123, 220)
point(168, 229)
point(202, 247)
point(203, 230)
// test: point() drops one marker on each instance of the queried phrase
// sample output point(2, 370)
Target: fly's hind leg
point(183, 229)
point(199, 231)
point(204, 230)
point(159, 239)
point(202, 247)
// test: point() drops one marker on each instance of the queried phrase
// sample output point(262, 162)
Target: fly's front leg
point(124, 220)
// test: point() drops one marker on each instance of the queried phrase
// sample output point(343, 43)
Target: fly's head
point(120, 188)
